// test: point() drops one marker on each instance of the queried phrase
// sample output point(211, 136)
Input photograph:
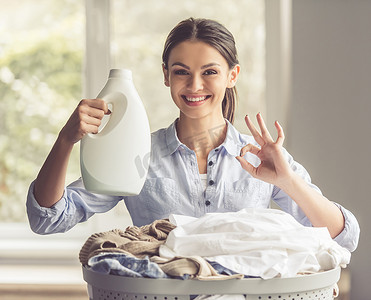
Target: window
point(41, 54)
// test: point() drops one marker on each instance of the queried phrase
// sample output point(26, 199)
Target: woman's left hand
point(273, 168)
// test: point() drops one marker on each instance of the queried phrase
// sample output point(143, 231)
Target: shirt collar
point(172, 141)
point(232, 142)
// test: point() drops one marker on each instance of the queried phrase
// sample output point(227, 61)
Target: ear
point(233, 75)
point(166, 75)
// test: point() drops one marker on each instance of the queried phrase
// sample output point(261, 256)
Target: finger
point(255, 133)
point(87, 119)
point(247, 166)
point(249, 148)
point(280, 133)
point(87, 107)
point(99, 104)
point(103, 105)
point(81, 130)
point(264, 131)
point(89, 128)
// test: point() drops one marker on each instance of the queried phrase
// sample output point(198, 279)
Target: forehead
point(196, 53)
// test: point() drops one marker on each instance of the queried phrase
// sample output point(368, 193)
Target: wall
point(329, 119)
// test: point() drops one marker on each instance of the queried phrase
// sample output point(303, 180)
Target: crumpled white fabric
point(258, 242)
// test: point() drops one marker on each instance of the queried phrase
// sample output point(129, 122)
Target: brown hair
point(214, 34)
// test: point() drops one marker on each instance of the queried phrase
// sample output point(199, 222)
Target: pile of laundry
point(264, 243)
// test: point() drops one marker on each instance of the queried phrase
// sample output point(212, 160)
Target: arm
point(275, 169)
point(50, 182)
point(320, 211)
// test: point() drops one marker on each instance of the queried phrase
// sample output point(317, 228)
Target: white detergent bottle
point(115, 160)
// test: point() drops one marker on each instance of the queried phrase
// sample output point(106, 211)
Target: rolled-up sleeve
point(76, 205)
point(349, 237)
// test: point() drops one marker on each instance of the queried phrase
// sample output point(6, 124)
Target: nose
point(195, 83)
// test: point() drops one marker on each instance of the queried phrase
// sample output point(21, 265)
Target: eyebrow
point(188, 68)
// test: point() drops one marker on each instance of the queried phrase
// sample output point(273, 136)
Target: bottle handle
point(118, 105)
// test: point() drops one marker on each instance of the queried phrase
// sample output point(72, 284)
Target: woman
point(199, 164)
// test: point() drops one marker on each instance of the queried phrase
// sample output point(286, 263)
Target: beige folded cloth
point(135, 241)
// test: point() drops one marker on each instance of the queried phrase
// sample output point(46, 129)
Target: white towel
point(258, 242)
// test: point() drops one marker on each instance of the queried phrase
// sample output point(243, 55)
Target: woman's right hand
point(86, 118)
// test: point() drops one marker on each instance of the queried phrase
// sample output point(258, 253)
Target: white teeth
point(195, 99)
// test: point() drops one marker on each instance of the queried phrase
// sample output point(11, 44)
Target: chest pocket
point(160, 196)
point(246, 193)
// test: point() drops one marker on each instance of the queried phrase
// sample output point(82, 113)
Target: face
point(198, 76)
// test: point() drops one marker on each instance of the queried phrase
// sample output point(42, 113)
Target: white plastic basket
point(317, 286)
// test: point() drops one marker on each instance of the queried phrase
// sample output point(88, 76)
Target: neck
point(203, 134)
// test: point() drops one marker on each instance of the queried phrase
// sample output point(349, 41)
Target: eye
point(181, 72)
point(210, 72)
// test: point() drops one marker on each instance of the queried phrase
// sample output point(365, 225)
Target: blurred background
point(304, 62)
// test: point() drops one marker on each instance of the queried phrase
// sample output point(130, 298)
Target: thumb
point(107, 110)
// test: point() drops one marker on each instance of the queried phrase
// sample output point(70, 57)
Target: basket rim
point(253, 286)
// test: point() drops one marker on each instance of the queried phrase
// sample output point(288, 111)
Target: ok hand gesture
point(273, 168)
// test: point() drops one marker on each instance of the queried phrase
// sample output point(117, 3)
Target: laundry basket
point(317, 286)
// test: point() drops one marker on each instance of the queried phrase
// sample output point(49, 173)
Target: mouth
point(195, 99)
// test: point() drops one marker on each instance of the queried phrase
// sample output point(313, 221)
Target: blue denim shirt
point(173, 185)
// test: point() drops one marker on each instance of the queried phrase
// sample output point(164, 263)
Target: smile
point(195, 99)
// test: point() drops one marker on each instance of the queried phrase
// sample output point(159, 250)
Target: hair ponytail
point(229, 104)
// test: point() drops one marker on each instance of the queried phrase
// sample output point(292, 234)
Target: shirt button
point(207, 202)
point(211, 182)
point(210, 163)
